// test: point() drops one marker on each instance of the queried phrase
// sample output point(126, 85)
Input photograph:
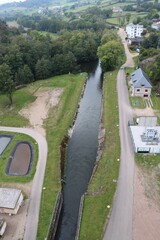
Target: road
point(35, 196)
point(120, 223)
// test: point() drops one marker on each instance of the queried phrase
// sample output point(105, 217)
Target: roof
point(9, 197)
point(139, 78)
point(133, 25)
point(139, 140)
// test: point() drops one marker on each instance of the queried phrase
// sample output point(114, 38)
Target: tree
point(43, 69)
point(110, 55)
point(24, 75)
point(7, 85)
point(128, 16)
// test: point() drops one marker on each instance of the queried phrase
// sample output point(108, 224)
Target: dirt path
point(146, 215)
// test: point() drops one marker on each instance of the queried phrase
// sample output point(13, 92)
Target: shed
point(140, 84)
point(10, 200)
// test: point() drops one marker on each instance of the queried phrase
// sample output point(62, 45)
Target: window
point(138, 90)
point(142, 85)
point(146, 90)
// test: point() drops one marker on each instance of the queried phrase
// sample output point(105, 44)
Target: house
point(10, 200)
point(3, 225)
point(140, 84)
point(117, 10)
point(133, 30)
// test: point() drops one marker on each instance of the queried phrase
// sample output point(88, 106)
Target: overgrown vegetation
point(102, 188)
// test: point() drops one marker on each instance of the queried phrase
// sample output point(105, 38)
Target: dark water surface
point(81, 153)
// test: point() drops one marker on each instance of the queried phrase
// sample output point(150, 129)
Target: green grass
point(5, 157)
point(147, 161)
point(137, 102)
point(102, 188)
point(57, 125)
point(9, 116)
point(155, 101)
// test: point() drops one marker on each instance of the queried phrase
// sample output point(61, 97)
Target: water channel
point(81, 153)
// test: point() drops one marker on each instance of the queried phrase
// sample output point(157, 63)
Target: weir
point(81, 154)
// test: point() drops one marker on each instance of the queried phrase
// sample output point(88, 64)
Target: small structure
point(117, 10)
point(140, 84)
point(3, 225)
point(133, 30)
point(156, 25)
point(146, 135)
point(10, 200)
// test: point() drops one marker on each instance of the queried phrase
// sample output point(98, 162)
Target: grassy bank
point(102, 188)
point(56, 126)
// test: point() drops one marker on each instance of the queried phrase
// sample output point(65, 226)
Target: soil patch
point(37, 111)
point(146, 211)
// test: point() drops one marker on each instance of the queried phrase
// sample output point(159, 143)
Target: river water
point(81, 153)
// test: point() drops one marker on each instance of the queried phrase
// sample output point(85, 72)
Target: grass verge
point(137, 102)
point(56, 126)
point(102, 188)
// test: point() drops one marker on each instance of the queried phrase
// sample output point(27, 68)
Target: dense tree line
point(32, 56)
point(93, 19)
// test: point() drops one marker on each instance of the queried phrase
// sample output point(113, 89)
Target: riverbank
point(57, 125)
point(99, 196)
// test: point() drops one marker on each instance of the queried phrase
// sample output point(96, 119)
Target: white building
point(10, 200)
point(146, 135)
point(134, 31)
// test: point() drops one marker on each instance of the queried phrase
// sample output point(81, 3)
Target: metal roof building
point(10, 200)
point(140, 84)
point(146, 140)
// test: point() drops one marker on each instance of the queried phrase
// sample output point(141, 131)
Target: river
point(81, 153)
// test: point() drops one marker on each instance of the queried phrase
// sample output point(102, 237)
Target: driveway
point(35, 197)
point(120, 223)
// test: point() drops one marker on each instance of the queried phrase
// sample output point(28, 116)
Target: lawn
point(102, 188)
point(137, 102)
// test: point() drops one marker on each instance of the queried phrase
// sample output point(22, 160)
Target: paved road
point(35, 197)
point(120, 223)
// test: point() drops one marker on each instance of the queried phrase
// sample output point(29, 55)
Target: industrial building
point(10, 200)
point(146, 136)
